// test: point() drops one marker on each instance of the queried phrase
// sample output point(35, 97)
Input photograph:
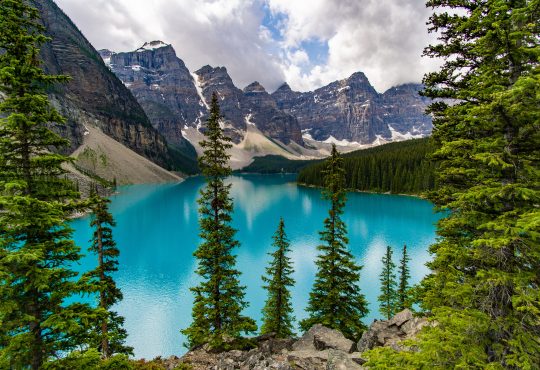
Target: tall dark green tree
point(388, 298)
point(403, 300)
point(109, 335)
point(37, 254)
point(219, 298)
point(277, 312)
point(484, 289)
point(336, 300)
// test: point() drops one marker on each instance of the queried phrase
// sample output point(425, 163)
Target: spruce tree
point(109, 336)
point(403, 286)
point(219, 298)
point(37, 254)
point(336, 300)
point(388, 298)
point(277, 311)
point(484, 287)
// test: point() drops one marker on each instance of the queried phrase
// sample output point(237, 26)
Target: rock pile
point(320, 348)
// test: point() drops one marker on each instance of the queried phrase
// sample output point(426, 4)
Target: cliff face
point(216, 80)
point(349, 110)
point(173, 98)
point(352, 110)
point(94, 94)
point(403, 110)
point(162, 85)
point(263, 111)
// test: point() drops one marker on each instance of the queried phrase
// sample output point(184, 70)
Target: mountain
point(173, 98)
point(162, 85)
point(95, 96)
point(351, 111)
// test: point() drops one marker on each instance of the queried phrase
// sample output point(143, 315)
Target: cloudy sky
point(307, 43)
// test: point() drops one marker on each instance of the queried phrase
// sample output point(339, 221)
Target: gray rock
point(351, 109)
point(338, 360)
point(412, 327)
point(162, 84)
point(320, 338)
point(401, 317)
point(370, 337)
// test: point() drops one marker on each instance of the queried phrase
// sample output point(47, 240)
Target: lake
point(157, 233)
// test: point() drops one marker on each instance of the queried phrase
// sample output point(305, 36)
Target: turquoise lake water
point(157, 232)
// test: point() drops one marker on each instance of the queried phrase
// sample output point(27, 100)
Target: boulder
point(401, 317)
point(320, 338)
point(391, 332)
point(339, 360)
point(412, 327)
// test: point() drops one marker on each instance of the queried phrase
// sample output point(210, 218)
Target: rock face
point(264, 113)
point(216, 80)
point(320, 338)
point(352, 110)
point(390, 332)
point(163, 86)
point(403, 110)
point(347, 110)
point(94, 95)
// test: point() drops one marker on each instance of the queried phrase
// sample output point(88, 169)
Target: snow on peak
point(153, 45)
point(344, 142)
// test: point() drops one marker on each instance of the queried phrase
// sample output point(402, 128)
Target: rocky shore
point(320, 348)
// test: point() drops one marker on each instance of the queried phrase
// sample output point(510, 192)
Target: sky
point(306, 43)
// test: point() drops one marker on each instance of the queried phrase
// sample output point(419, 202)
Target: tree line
point(402, 167)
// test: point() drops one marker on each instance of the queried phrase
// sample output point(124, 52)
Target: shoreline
point(418, 196)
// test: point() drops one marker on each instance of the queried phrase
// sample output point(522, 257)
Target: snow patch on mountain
point(152, 45)
point(398, 136)
point(199, 89)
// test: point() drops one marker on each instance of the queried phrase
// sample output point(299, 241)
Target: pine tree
point(277, 311)
point(335, 300)
point(404, 276)
point(110, 334)
point(388, 298)
point(37, 254)
point(219, 298)
point(484, 287)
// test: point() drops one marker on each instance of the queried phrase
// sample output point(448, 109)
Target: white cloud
point(382, 38)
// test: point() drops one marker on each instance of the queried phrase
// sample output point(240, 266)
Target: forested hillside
point(396, 167)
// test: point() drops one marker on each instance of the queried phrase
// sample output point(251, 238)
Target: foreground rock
point(391, 332)
point(320, 348)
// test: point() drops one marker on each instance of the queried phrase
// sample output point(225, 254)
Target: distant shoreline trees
point(399, 168)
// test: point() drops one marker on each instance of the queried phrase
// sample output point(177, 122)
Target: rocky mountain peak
point(153, 45)
point(254, 87)
point(358, 77)
point(284, 88)
point(219, 75)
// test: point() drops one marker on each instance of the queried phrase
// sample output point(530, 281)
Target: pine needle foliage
point(484, 289)
point(403, 299)
point(109, 336)
point(219, 298)
point(37, 254)
point(388, 297)
point(277, 312)
point(336, 300)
